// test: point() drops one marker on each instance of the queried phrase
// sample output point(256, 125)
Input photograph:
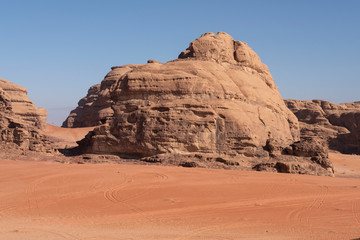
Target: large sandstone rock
point(215, 106)
point(334, 125)
point(21, 122)
point(216, 98)
point(22, 106)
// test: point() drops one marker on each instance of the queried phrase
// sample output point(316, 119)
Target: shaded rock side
point(95, 108)
point(334, 125)
point(22, 106)
point(216, 98)
point(20, 125)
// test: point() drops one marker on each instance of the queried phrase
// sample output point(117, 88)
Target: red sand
point(41, 200)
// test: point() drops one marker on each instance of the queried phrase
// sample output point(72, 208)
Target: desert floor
point(66, 137)
point(48, 200)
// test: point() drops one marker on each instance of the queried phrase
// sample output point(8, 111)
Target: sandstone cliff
point(216, 99)
point(334, 125)
point(22, 106)
point(21, 122)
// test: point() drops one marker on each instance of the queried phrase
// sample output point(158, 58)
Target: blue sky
point(58, 49)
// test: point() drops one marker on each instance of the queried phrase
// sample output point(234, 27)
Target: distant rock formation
point(21, 122)
point(217, 102)
point(334, 125)
point(22, 106)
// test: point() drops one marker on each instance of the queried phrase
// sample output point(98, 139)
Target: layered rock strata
point(334, 125)
point(95, 108)
point(216, 99)
point(21, 122)
point(22, 106)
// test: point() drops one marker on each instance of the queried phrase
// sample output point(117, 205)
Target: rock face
point(95, 109)
point(22, 106)
point(216, 98)
point(217, 104)
point(21, 122)
point(334, 125)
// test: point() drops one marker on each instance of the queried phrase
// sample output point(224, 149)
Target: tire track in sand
point(32, 199)
point(114, 194)
point(317, 203)
point(111, 193)
point(302, 213)
point(355, 211)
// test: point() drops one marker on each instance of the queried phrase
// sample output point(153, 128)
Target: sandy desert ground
point(51, 200)
point(46, 200)
point(66, 137)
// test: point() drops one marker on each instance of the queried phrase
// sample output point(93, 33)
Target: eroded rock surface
point(334, 125)
point(216, 100)
point(22, 106)
point(95, 108)
point(21, 122)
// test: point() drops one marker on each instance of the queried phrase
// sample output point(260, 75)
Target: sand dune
point(66, 136)
point(42, 200)
point(69, 134)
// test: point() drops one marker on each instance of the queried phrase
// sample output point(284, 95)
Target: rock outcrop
point(21, 122)
point(216, 98)
point(95, 108)
point(216, 101)
point(336, 126)
point(22, 106)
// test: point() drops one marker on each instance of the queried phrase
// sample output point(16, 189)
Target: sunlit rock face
point(217, 97)
point(22, 106)
point(21, 122)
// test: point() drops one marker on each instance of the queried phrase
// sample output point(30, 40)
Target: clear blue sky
point(58, 49)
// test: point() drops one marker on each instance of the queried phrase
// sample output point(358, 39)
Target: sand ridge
point(43, 200)
point(66, 136)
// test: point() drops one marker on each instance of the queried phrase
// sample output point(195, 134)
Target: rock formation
point(22, 106)
point(95, 109)
point(334, 125)
point(21, 122)
point(216, 99)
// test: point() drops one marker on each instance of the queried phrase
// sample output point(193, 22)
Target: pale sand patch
point(66, 136)
point(42, 200)
point(345, 165)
